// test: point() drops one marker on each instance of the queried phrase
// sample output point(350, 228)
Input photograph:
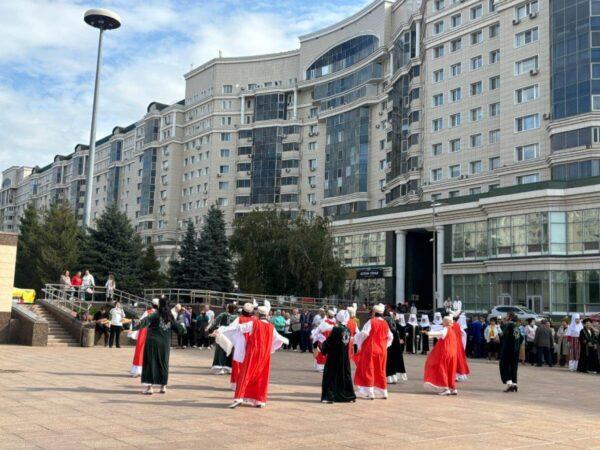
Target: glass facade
point(576, 170)
point(271, 107)
point(115, 151)
point(404, 48)
point(151, 130)
point(360, 250)
point(148, 181)
point(347, 152)
point(266, 165)
point(570, 139)
point(345, 208)
point(343, 56)
point(542, 291)
point(575, 48)
point(112, 193)
point(535, 234)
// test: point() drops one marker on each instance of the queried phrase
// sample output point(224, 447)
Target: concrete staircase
point(57, 335)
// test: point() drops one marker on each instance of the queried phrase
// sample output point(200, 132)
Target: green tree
point(151, 276)
point(58, 243)
point(114, 247)
point(213, 252)
point(184, 270)
point(26, 274)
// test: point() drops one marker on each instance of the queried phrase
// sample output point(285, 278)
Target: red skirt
point(138, 356)
point(442, 362)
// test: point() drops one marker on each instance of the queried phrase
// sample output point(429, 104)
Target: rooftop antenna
point(220, 54)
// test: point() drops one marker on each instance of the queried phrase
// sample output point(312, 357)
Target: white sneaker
point(454, 392)
point(390, 380)
point(404, 377)
point(235, 404)
point(446, 392)
point(395, 378)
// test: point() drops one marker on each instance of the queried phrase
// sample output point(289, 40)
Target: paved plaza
point(80, 397)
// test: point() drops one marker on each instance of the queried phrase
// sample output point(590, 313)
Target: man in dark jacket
point(544, 342)
point(306, 320)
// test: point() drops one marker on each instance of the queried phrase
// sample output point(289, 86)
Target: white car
point(520, 311)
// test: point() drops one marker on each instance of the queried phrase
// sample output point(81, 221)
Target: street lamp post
point(103, 19)
point(434, 241)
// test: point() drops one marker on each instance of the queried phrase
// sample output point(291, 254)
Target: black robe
point(395, 359)
point(412, 338)
point(423, 339)
point(588, 355)
point(337, 377)
point(510, 344)
point(221, 360)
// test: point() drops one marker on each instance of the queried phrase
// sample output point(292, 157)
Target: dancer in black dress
point(395, 361)
point(337, 383)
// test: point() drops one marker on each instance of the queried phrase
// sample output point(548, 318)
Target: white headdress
point(437, 318)
point(379, 309)
point(352, 310)
point(331, 311)
point(575, 328)
point(155, 301)
point(424, 321)
point(265, 309)
point(402, 320)
point(412, 319)
point(248, 307)
point(342, 316)
point(462, 321)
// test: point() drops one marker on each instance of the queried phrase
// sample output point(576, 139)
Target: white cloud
point(47, 64)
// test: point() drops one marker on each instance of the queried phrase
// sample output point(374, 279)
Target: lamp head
point(103, 19)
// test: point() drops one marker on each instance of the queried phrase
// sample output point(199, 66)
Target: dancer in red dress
point(320, 335)
point(462, 367)
point(372, 341)
point(351, 325)
point(246, 316)
point(254, 352)
point(441, 364)
point(140, 335)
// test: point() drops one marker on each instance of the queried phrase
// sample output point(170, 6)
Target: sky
point(48, 54)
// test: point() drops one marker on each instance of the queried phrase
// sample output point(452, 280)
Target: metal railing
point(215, 298)
point(78, 300)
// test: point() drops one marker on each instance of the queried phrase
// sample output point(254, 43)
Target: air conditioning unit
point(533, 15)
point(534, 72)
point(516, 21)
point(284, 136)
point(383, 189)
point(205, 192)
point(316, 133)
point(287, 170)
point(313, 186)
point(248, 173)
point(312, 169)
point(547, 116)
point(377, 126)
point(314, 202)
point(381, 113)
point(219, 175)
point(311, 134)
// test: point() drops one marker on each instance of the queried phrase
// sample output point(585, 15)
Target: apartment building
point(454, 144)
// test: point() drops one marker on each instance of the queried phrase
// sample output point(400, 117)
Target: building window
point(456, 20)
point(526, 123)
point(455, 95)
point(225, 137)
point(439, 5)
point(438, 27)
point(476, 37)
point(453, 194)
point(455, 120)
point(494, 136)
point(476, 140)
point(436, 174)
point(595, 102)
point(223, 201)
point(456, 69)
point(312, 164)
point(476, 62)
point(526, 94)
point(494, 56)
point(525, 9)
point(495, 109)
point(223, 185)
point(526, 152)
point(476, 12)
point(494, 163)
point(227, 89)
point(476, 114)
point(225, 153)
point(526, 37)
point(455, 145)
point(529, 178)
point(455, 45)
point(526, 65)
point(436, 149)
point(475, 167)
point(477, 88)
point(438, 100)
point(494, 30)
point(438, 51)
point(475, 191)
point(437, 124)
point(223, 169)
point(436, 197)
point(454, 171)
point(494, 83)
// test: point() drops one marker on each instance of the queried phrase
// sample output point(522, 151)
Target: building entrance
point(419, 268)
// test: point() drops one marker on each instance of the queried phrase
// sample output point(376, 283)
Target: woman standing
point(116, 325)
point(412, 329)
point(424, 326)
point(510, 346)
point(140, 337)
point(221, 362)
point(441, 364)
point(573, 338)
point(562, 346)
point(588, 354)
point(110, 287)
point(492, 336)
point(155, 369)
point(337, 383)
point(395, 361)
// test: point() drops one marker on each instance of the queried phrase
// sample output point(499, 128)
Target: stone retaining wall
point(28, 329)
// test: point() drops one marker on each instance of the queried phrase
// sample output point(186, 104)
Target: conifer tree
point(152, 277)
point(26, 275)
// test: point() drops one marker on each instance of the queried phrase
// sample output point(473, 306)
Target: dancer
point(352, 326)
point(440, 367)
point(140, 336)
point(318, 336)
point(436, 324)
point(155, 369)
point(573, 338)
point(462, 367)
point(337, 377)
point(254, 352)
point(412, 331)
point(394, 368)
point(588, 353)
point(401, 327)
point(221, 362)
point(510, 346)
point(246, 316)
point(424, 326)
point(372, 342)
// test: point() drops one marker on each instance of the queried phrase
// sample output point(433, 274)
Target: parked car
point(521, 312)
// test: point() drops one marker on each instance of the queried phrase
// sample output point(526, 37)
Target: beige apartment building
point(454, 144)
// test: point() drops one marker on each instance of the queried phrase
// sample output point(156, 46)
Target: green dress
point(155, 368)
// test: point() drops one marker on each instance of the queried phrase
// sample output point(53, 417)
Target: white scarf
point(575, 328)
